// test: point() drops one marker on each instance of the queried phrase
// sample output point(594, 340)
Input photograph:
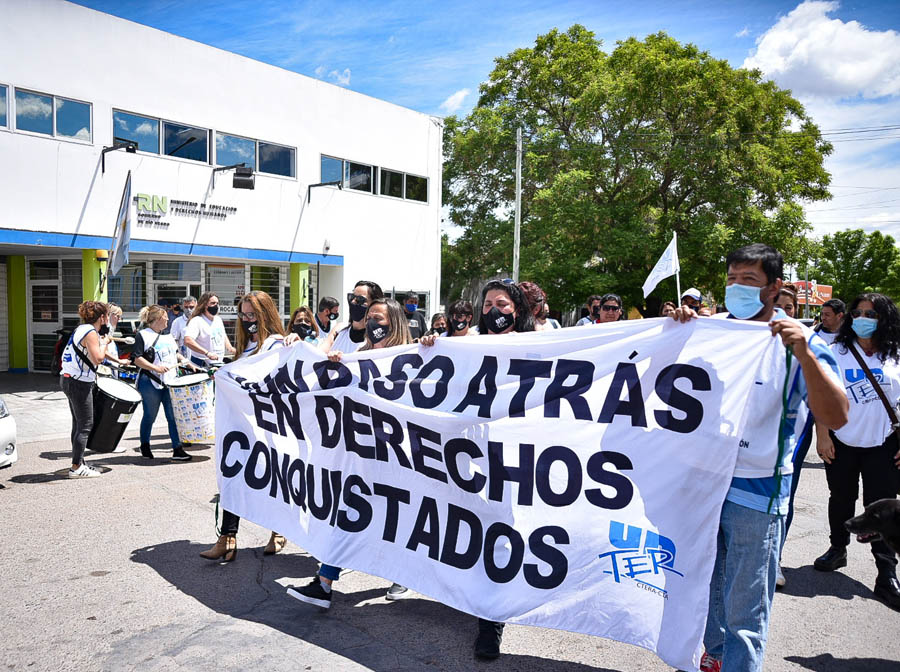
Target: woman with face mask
point(304, 325)
point(459, 319)
point(157, 356)
point(352, 336)
point(438, 324)
point(205, 337)
point(867, 445)
point(258, 330)
point(84, 351)
point(385, 326)
point(787, 300)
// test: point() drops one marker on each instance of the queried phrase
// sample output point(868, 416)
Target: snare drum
point(193, 401)
point(114, 404)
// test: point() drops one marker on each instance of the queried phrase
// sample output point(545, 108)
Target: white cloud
point(340, 78)
point(144, 128)
point(744, 32)
point(454, 101)
point(320, 71)
point(121, 123)
point(812, 54)
point(83, 134)
point(32, 107)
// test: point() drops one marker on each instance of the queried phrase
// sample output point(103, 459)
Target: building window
point(232, 149)
point(417, 188)
point(358, 176)
point(128, 288)
point(276, 159)
point(332, 169)
point(184, 271)
point(186, 142)
point(34, 112)
point(391, 183)
point(227, 282)
point(4, 122)
point(73, 119)
point(142, 130)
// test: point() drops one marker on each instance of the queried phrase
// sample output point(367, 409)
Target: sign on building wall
point(818, 294)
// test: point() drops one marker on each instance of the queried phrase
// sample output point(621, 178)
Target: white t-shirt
point(825, 336)
point(71, 363)
point(272, 341)
point(868, 424)
point(342, 342)
point(166, 354)
point(209, 335)
point(179, 324)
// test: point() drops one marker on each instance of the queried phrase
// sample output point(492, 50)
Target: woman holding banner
point(385, 326)
point(258, 330)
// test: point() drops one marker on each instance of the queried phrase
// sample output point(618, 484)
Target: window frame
point(415, 200)
point(144, 116)
point(239, 137)
point(293, 160)
point(12, 115)
point(402, 196)
point(193, 162)
point(90, 120)
point(8, 125)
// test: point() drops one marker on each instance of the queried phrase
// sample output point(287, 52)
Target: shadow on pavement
point(826, 662)
point(61, 475)
point(161, 456)
point(808, 582)
point(362, 627)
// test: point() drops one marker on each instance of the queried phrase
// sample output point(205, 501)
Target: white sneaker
point(84, 471)
point(779, 577)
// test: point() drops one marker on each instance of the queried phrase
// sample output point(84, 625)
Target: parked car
point(9, 455)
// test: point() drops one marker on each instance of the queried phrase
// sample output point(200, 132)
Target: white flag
point(119, 255)
point(665, 267)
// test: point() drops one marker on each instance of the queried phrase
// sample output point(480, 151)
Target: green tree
point(622, 150)
point(853, 262)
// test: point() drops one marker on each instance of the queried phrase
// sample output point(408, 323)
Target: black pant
point(81, 406)
point(230, 522)
point(879, 478)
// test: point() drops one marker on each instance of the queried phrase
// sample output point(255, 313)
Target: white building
point(74, 81)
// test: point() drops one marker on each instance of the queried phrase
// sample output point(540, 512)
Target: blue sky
point(842, 60)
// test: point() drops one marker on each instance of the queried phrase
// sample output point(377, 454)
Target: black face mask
point(376, 332)
point(458, 325)
point(439, 330)
point(212, 310)
point(302, 330)
point(104, 330)
point(249, 327)
point(595, 311)
point(332, 316)
point(357, 312)
point(497, 321)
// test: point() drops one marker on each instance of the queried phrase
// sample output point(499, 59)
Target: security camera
point(326, 246)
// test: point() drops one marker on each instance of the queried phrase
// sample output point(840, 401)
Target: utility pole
point(806, 293)
point(518, 205)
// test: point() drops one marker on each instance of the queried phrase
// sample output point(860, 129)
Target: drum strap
point(150, 375)
point(80, 353)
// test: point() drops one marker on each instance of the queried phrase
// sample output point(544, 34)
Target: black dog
point(881, 519)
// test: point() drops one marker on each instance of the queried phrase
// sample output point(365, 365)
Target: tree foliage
point(622, 150)
point(853, 262)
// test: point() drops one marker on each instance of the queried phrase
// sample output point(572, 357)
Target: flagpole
point(678, 272)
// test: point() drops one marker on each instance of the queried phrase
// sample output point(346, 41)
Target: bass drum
point(114, 404)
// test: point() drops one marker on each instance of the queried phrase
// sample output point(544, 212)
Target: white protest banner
point(569, 479)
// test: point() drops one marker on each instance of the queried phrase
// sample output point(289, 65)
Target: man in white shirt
point(832, 316)
point(179, 324)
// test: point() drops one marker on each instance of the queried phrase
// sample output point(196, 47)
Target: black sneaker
point(397, 592)
point(179, 455)
point(312, 593)
point(834, 558)
point(487, 645)
point(146, 452)
point(887, 589)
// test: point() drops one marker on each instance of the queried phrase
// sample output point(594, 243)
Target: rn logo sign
point(152, 203)
point(648, 559)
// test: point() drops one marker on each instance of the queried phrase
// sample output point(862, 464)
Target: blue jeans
point(152, 398)
point(742, 587)
point(330, 572)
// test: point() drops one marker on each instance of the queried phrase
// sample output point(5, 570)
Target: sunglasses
point(864, 313)
point(250, 316)
point(358, 299)
point(609, 309)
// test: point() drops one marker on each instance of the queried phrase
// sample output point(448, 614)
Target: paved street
point(104, 575)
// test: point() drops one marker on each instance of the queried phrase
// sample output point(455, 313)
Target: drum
point(114, 404)
point(193, 401)
point(129, 374)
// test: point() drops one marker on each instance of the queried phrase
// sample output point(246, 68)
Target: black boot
point(834, 558)
point(146, 452)
point(887, 588)
point(487, 645)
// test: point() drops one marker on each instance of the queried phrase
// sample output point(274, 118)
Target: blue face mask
point(412, 307)
point(864, 327)
point(743, 301)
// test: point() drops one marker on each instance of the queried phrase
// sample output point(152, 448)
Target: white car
point(8, 453)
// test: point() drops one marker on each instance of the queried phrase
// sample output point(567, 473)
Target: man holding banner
point(752, 519)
